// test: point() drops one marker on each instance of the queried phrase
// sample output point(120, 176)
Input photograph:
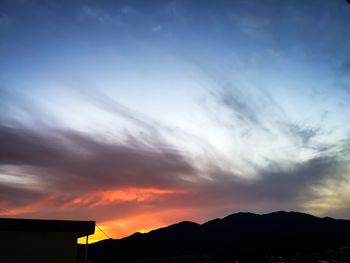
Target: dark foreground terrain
point(341, 255)
point(241, 237)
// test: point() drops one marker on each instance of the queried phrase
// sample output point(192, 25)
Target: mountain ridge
point(218, 219)
point(239, 234)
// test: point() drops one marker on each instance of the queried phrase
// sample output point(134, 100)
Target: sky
point(140, 114)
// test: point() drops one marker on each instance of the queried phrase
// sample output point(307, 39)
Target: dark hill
point(237, 235)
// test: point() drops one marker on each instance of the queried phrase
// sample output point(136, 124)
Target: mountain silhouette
point(239, 235)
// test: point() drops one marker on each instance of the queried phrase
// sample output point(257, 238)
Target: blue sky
point(202, 108)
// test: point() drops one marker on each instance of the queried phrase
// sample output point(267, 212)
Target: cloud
point(262, 121)
point(231, 97)
point(277, 186)
point(91, 162)
point(303, 133)
point(53, 172)
point(239, 107)
point(12, 196)
point(94, 14)
point(254, 26)
point(87, 172)
point(74, 175)
point(306, 156)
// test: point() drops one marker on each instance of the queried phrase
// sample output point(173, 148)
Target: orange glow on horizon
point(147, 212)
point(142, 223)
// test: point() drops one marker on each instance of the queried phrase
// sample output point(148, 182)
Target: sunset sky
point(140, 114)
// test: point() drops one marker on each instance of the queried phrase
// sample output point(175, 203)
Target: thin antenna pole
point(103, 231)
point(86, 249)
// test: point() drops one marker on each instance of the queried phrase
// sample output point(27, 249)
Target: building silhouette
point(49, 241)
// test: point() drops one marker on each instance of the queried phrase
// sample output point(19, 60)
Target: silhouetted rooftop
point(80, 228)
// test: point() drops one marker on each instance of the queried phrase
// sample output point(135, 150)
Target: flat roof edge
point(80, 228)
